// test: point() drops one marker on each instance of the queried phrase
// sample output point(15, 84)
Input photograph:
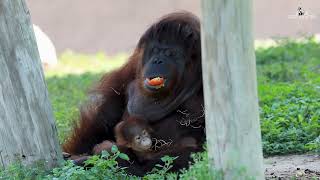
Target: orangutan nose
point(157, 61)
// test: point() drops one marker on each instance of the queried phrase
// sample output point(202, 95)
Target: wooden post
point(27, 129)
point(230, 89)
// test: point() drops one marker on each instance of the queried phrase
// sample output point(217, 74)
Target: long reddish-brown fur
point(91, 127)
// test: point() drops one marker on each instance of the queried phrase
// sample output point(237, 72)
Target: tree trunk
point(27, 129)
point(230, 89)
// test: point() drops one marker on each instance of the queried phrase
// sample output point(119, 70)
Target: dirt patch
point(305, 166)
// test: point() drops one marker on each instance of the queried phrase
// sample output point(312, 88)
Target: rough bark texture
point(230, 88)
point(27, 129)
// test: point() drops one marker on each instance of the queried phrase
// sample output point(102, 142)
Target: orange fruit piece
point(156, 81)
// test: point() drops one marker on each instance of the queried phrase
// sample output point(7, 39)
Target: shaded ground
point(298, 166)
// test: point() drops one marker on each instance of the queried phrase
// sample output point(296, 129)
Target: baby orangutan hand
point(104, 146)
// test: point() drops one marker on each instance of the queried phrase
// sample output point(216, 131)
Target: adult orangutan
point(162, 84)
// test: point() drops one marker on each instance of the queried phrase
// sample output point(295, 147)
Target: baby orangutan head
point(134, 133)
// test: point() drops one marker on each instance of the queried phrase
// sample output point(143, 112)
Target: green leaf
point(124, 156)
point(165, 158)
point(105, 154)
point(159, 165)
point(114, 149)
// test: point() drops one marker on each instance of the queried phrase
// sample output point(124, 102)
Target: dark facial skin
point(164, 61)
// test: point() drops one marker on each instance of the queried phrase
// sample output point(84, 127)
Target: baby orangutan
point(134, 135)
point(131, 133)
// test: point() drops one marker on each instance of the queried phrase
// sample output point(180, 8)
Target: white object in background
point(46, 48)
point(317, 36)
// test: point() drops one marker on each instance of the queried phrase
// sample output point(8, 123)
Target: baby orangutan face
point(134, 133)
point(141, 141)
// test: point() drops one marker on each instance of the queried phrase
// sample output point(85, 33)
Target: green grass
point(289, 96)
point(289, 99)
point(77, 64)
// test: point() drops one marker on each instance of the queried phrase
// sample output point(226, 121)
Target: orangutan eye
point(155, 50)
point(137, 138)
point(170, 52)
